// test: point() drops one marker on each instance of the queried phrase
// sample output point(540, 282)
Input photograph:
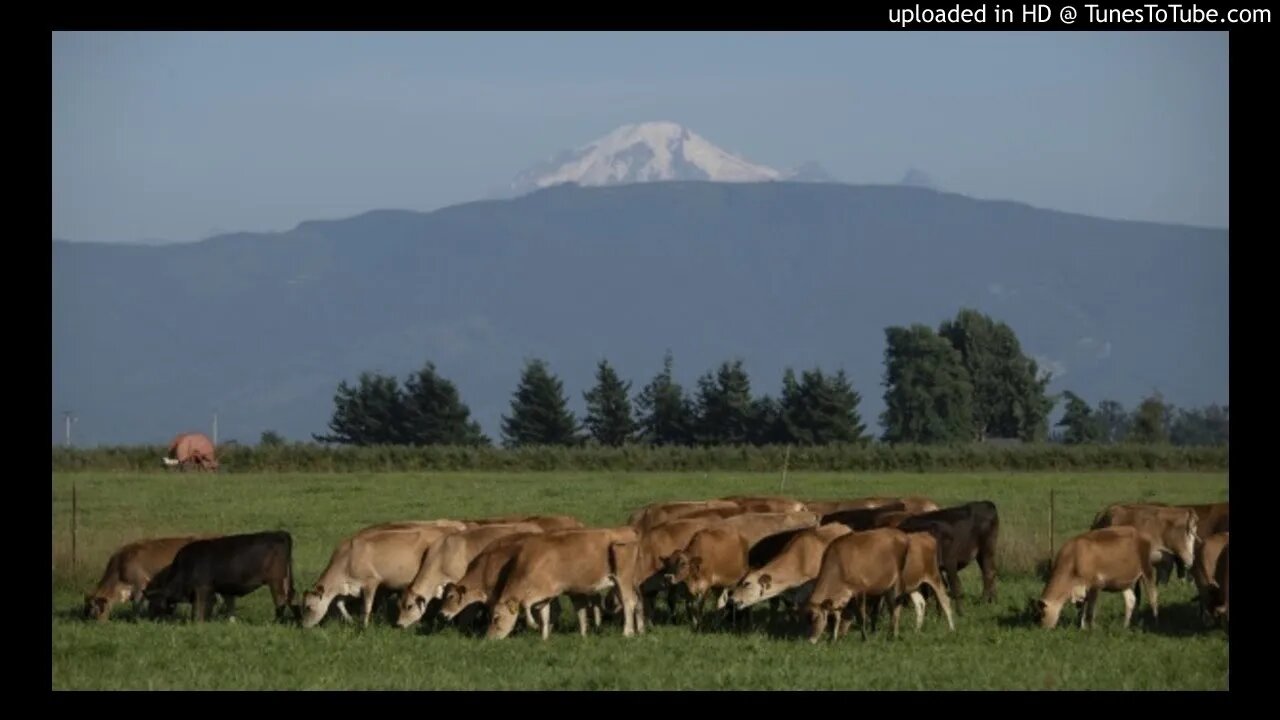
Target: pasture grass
point(994, 646)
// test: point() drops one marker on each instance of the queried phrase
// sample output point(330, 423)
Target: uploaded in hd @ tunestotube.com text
point(1085, 13)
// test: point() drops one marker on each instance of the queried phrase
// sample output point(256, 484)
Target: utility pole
point(215, 429)
point(69, 419)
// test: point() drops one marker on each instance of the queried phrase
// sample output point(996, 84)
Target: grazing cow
point(381, 557)
point(792, 570)
point(231, 566)
point(447, 561)
point(130, 570)
point(1204, 571)
point(1114, 559)
point(854, 566)
point(485, 576)
point(573, 562)
point(964, 533)
point(1172, 529)
point(546, 522)
point(639, 568)
point(862, 518)
point(715, 558)
point(920, 569)
point(191, 450)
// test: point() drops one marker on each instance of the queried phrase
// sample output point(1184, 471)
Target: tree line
point(966, 381)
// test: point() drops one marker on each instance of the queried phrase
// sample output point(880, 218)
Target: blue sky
point(177, 136)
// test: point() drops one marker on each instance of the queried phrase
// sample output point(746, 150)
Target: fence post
point(74, 511)
point(1051, 525)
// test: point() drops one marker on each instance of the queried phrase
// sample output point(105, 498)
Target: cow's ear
point(318, 589)
point(765, 581)
point(421, 602)
point(460, 589)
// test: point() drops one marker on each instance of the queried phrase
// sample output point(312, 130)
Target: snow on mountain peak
point(644, 152)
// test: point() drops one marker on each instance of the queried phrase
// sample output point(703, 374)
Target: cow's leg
point(229, 607)
point(597, 608)
point(632, 609)
point(894, 602)
point(944, 604)
point(545, 611)
point(1152, 597)
point(862, 616)
point(1130, 601)
point(917, 600)
point(1095, 601)
point(581, 606)
point(952, 576)
point(367, 595)
point(341, 604)
point(1090, 610)
point(987, 563)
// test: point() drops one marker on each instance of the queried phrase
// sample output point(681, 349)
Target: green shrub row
point(638, 458)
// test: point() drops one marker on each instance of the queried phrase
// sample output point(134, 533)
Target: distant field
point(994, 646)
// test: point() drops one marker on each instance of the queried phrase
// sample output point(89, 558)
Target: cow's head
point(1046, 612)
point(750, 590)
point(505, 614)
point(457, 597)
point(819, 612)
point(315, 604)
point(97, 607)
point(676, 567)
point(412, 607)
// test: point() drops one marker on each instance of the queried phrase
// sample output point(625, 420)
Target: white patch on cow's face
point(315, 605)
point(170, 461)
point(124, 593)
point(412, 607)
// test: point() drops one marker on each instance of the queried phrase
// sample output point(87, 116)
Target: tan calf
point(1113, 559)
point(1204, 571)
point(714, 559)
point(446, 562)
point(855, 566)
point(485, 574)
point(129, 571)
point(573, 562)
point(638, 568)
point(793, 570)
point(385, 556)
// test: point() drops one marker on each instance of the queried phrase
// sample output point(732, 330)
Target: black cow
point(862, 518)
point(964, 533)
point(231, 566)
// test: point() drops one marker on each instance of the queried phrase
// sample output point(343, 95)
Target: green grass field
point(994, 646)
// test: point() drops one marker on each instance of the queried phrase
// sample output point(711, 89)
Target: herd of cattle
point(821, 562)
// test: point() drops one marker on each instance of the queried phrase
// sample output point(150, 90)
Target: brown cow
point(1173, 530)
point(1204, 571)
point(191, 449)
point(484, 577)
point(922, 569)
point(855, 566)
point(573, 562)
point(379, 557)
point(129, 571)
point(794, 569)
point(715, 558)
point(1114, 559)
point(447, 561)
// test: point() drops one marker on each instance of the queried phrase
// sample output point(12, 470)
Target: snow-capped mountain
point(652, 152)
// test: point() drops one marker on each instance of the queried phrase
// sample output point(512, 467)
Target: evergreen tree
point(434, 413)
point(539, 410)
point(1009, 398)
point(1210, 426)
point(270, 438)
point(609, 417)
point(665, 415)
point(766, 422)
point(820, 409)
point(928, 397)
point(725, 411)
point(370, 414)
point(1080, 423)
